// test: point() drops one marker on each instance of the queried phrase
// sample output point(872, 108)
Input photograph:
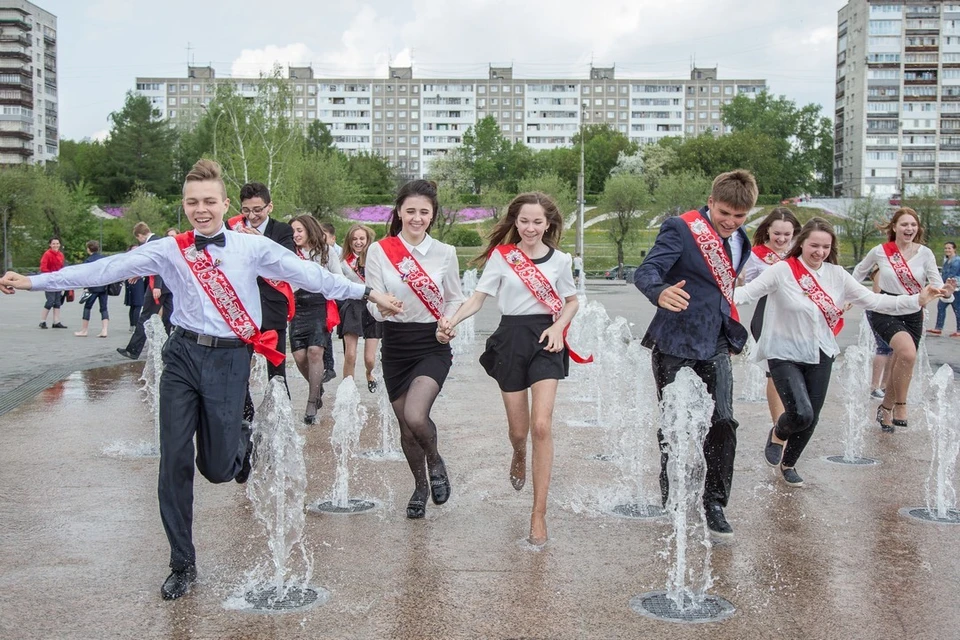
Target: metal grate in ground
point(293, 599)
point(657, 605)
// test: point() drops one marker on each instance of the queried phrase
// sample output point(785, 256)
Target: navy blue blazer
point(693, 332)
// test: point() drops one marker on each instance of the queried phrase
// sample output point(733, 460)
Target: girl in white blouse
point(309, 328)
point(771, 242)
point(527, 355)
point(424, 275)
point(806, 295)
point(355, 320)
point(905, 266)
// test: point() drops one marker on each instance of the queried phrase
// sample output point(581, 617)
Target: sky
point(104, 45)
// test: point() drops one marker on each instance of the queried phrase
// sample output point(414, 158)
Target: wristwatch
point(366, 293)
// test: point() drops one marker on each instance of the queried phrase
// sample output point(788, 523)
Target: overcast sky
point(105, 44)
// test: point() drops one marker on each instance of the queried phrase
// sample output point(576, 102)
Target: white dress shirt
point(754, 267)
point(439, 260)
point(794, 328)
point(242, 259)
point(513, 297)
point(736, 243)
point(923, 265)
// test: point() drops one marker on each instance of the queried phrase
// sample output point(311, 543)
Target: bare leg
point(880, 372)
point(104, 326)
point(773, 401)
point(544, 395)
point(517, 404)
point(84, 325)
point(349, 354)
point(370, 356)
point(904, 358)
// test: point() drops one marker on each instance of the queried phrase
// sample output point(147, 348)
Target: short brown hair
point(206, 170)
point(93, 246)
point(890, 227)
point(141, 229)
point(737, 189)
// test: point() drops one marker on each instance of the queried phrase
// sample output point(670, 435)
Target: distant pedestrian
point(134, 293)
point(52, 260)
point(951, 269)
point(329, 365)
point(158, 299)
point(93, 295)
point(355, 319)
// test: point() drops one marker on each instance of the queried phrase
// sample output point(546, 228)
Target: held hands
point(11, 281)
point(387, 304)
point(242, 228)
point(553, 336)
point(445, 332)
point(674, 298)
point(931, 293)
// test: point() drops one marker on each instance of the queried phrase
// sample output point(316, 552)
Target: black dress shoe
point(440, 485)
point(716, 521)
point(329, 374)
point(125, 353)
point(416, 508)
point(244, 473)
point(58, 325)
point(178, 583)
point(773, 451)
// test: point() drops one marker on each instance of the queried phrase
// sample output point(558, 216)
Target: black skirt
point(409, 350)
point(888, 326)
point(356, 319)
point(756, 323)
point(515, 357)
point(308, 328)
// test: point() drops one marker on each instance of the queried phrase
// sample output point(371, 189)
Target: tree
point(139, 151)
point(602, 148)
point(371, 173)
point(860, 222)
point(325, 185)
point(678, 193)
point(626, 197)
point(319, 139)
point(84, 161)
point(657, 159)
point(756, 152)
point(926, 202)
point(486, 153)
point(555, 187)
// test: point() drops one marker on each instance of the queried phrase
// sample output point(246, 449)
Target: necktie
point(202, 241)
point(727, 250)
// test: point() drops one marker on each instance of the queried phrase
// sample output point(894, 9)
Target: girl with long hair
point(531, 278)
point(905, 266)
point(355, 319)
point(806, 295)
point(424, 275)
point(309, 329)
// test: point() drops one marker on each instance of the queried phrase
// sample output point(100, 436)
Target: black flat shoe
point(178, 583)
point(416, 509)
point(440, 485)
point(717, 522)
point(772, 451)
point(372, 386)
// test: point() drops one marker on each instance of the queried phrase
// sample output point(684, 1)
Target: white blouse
point(349, 273)
point(513, 296)
point(754, 267)
point(439, 260)
point(923, 265)
point(794, 328)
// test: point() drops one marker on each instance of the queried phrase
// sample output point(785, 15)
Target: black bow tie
point(202, 241)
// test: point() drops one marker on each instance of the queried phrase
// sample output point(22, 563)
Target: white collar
point(421, 248)
point(263, 225)
point(218, 232)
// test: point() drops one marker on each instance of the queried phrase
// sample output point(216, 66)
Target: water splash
point(152, 371)
point(587, 332)
point(349, 417)
point(922, 374)
point(685, 419)
point(387, 423)
point(258, 376)
point(277, 491)
point(941, 412)
point(753, 388)
point(466, 330)
point(855, 371)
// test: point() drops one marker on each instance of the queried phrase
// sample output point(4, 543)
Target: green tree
point(563, 162)
point(486, 153)
point(602, 148)
point(678, 193)
point(626, 197)
point(84, 161)
point(319, 139)
point(757, 152)
point(859, 223)
point(372, 173)
point(139, 151)
point(325, 185)
point(926, 202)
point(555, 187)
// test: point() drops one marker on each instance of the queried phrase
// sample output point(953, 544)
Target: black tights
point(802, 388)
point(418, 433)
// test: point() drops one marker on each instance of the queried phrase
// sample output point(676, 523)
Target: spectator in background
point(951, 269)
point(330, 235)
point(134, 291)
point(172, 232)
point(52, 260)
point(158, 300)
point(92, 295)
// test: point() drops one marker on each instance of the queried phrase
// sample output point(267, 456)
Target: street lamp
point(581, 184)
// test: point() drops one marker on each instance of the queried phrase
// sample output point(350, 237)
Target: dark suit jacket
point(692, 333)
point(273, 303)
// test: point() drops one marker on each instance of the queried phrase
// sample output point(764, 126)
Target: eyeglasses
point(257, 210)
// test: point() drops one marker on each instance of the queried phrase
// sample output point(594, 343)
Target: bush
point(768, 199)
point(462, 236)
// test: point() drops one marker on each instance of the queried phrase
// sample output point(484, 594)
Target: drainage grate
point(13, 399)
point(930, 515)
point(292, 599)
point(354, 506)
point(657, 605)
point(639, 511)
point(863, 462)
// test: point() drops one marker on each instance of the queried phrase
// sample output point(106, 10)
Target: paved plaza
point(83, 552)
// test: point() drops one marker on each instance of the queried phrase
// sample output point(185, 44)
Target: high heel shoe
point(440, 484)
point(885, 427)
point(896, 422)
point(311, 418)
point(372, 386)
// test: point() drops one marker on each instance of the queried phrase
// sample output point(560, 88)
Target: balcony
point(21, 134)
point(25, 150)
point(17, 52)
point(16, 39)
point(23, 100)
point(15, 23)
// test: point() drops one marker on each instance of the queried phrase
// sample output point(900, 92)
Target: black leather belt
point(210, 341)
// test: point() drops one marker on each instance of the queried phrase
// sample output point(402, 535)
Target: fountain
point(587, 332)
point(466, 330)
point(922, 374)
point(387, 421)
point(685, 419)
point(941, 412)
point(610, 358)
point(258, 375)
point(855, 371)
point(754, 385)
point(349, 417)
point(277, 490)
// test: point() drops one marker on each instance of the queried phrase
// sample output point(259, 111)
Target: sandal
point(372, 386)
point(885, 427)
point(900, 423)
point(311, 418)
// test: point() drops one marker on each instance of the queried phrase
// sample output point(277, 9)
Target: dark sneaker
point(125, 353)
point(791, 477)
point(43, 325)
point(178, 583)
point(772, 452)
point(58, 325)
point(716, 521)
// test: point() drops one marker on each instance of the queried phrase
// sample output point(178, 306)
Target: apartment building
point(897, 125)
point(28, 84)
point(410, 121)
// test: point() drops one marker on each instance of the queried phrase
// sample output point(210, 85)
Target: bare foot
point(538, 529)
point(80, 334)
point(518, 469)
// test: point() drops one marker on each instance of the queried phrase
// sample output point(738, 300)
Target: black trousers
point(150, 307)
point(201, 395)
point(720, 445)
point(802, 389)
point(272, 369)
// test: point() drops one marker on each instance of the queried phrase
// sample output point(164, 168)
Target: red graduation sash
point(225, 299)
point(541, 288)
point(333, 311)
point(766, 254)
point(279, 285)
point(413, 274)
point(711, 247)
point(901, 268)
point(353, 262)
point(812, 289)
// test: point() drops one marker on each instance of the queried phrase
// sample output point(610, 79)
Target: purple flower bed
point(116, 212)
point(381, 212)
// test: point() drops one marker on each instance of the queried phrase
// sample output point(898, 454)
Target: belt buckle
point(206, 341)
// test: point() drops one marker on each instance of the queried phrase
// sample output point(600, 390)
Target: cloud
point(254, 62)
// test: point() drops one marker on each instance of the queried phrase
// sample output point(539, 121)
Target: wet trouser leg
point(802, 388)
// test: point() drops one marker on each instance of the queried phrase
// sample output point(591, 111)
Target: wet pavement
point(83, 553)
